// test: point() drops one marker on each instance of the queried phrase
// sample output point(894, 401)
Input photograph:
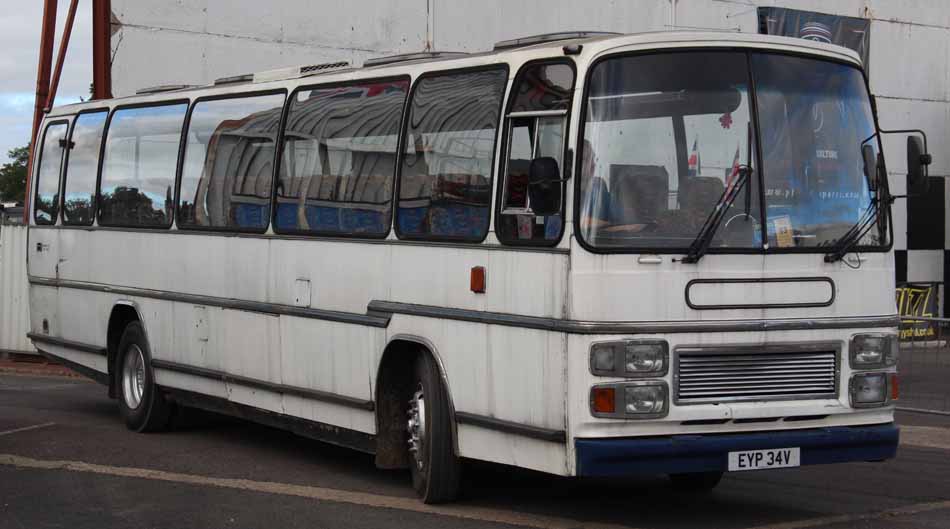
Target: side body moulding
point(379, 313)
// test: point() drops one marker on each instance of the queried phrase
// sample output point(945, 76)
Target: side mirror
point(870, 166)
point(544, 186)
point(917, 162)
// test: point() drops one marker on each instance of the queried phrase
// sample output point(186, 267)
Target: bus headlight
point(873, 351)
point(868, 390)
point(630, 358)
point(630, 400)
point(645, 399)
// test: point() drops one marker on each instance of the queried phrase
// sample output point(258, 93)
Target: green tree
point(13, 175)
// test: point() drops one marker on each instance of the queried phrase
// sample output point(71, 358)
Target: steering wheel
point(739, 234)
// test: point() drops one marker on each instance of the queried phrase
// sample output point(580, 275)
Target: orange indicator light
point(477, 283)
point(895, 387)
point(604, 400)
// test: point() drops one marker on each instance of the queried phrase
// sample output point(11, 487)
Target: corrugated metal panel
point(14, 293)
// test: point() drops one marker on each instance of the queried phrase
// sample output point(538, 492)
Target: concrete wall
point(195, 41)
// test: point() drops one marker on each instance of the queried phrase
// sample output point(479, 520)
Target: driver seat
point(638, 193)
point(700, 193)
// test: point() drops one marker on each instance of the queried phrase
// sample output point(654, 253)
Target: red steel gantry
point(46, 88)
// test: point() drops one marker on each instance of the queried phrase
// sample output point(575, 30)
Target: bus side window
point(536, 128)
point(47, 177)
point(338, 161)
point(138, 167)
point(445, 180)
point(229, 163)
point(82, 168)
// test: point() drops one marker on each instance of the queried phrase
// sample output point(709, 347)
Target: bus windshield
point(666, 135)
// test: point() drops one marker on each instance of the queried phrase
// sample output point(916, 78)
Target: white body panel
point(188, 289)
point(603, 283)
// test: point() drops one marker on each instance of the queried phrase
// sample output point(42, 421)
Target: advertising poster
point(918, 300)
point(849, 32)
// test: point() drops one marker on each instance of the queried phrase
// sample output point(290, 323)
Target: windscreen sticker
point(783, 231)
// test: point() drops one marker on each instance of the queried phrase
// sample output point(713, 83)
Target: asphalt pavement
point(66, 460)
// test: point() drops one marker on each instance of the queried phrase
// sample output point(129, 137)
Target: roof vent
point(162, 88)
point(404, 57)
point(297, 72)
point(245, 78)
point(281, 74)
point(550, 37)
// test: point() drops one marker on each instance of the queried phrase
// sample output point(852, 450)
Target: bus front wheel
point(435, 467)
point(141, 403)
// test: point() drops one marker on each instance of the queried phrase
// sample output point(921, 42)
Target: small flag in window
point(731, 178)
point(694, 164)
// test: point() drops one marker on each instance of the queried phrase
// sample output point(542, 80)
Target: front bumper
point(704, 453)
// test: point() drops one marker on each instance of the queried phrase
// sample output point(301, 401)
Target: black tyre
point(434, 465)
point(141, 403)
point(695, 482)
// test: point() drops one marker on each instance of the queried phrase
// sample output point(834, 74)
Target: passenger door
point(43, 250)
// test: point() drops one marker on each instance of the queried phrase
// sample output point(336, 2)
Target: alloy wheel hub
point(133, 377)
point(417, 427)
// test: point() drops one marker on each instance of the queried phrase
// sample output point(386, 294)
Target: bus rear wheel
point(695, 482)
point(435, 467)
point(141, 403)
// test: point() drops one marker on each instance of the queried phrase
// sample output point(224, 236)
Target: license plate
point(762, 459)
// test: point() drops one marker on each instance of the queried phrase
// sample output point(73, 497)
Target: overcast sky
point(19, 40)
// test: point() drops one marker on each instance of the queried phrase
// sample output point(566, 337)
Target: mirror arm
point(560, 181)
point(907, 131)
point(539, 182)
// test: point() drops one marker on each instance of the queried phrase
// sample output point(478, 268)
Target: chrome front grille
point(734, 374)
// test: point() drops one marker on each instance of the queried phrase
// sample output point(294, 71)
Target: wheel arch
point(392, 391)
point(123, 313)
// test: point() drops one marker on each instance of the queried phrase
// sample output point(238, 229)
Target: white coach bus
point(585, 254)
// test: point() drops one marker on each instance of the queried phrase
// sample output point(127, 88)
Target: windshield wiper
point(855, 234)
point(702, 241)
point(867, 221)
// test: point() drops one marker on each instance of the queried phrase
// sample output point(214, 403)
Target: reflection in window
point(445, 181)
point(339, 159)
point(79, 188)
point(544, 87)
point(540, 90)
point(138, 169)
point(815, 117)
point(47, 184)
point(229, 163)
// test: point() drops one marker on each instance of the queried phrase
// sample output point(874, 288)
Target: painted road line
point(926, 436)
point(49, 387)
point(317, 493)
point(27, 428)
point(851, 519)
point(923, 410)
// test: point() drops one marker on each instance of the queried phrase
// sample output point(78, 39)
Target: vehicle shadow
point(643, 500)
point(647, 500)
point(290, 457)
